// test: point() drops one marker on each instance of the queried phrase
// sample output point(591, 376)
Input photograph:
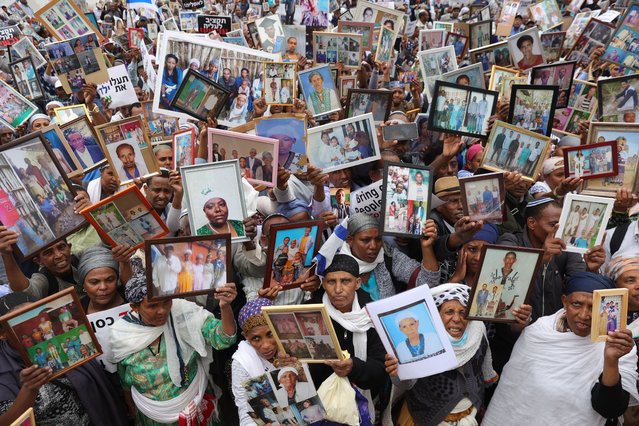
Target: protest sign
point(118, 90)
point(209, 23)
point(368, 199)
point(9, 35)
point(101, 322)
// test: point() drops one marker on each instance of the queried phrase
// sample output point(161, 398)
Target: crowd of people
point(200, 359)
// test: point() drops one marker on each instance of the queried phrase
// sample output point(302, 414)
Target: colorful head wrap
point(250, 315)
point(587, 282)
point(450, 291)
point(96, 257)
point(135, 290)
point(621, 264)
point(472, 152)
point(552, 164)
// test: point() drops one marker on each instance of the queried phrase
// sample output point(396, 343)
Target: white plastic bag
point(338, 398)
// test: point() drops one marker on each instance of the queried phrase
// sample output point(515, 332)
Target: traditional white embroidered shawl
point(549, 378)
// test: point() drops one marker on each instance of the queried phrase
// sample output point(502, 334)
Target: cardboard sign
point(209, 23)
point(9, 35)
point(193, 4)
point(101, 322)
point(368, 199)
point(118, 90)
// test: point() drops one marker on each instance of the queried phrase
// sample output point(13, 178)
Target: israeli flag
point(142, 4)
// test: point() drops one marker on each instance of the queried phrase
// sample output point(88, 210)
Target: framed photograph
point(188, 21)
point(581, 105)
point(340, 202)
point(406, 199)
point(25, 79)
point(345, 84)
point(71, 112)
point(363, 101)
point(506, 86)
point(431, 39)
point(160, 127)
point(505, 280)
point(491, 55)
point(497, 75)
point(304, 331)
point(126, 217)
point(525, 49)
point(331, 48)
point(290, 131)
point(38, 208)
point(257, 156)
point(435, 62)
point(65, 338)
point(609, 312)
point(26, 419)
point(618, 101)
point(215, 209)
point(343, 144)
point(596, 160)
point(135, 37)
point(459, 43)
point(24, 48)
point(557, 74)
point(511, 148)
point(171, 25)
point(379, 15)
point(64, 20)
point(318, 90)
point(68, 161)
point(483, 197)
point(583, 221)
point(446, 26)
point(471, 75)
point(15, 109)
point(622, 50)
point(480, 34)
point(627, 138)
point(292, 247)
point(199, 97)
point(532, 107)
point(461, 109)
point(546, 14)
point(595, 34)
point(411, 329)
point(184, 148)
point(385, 45)
point(280, 83)
point(552, 45)
point(83, 141)
point(187, 266)
point(128, 149)
point(271, 33)
point(577, 26)
point(363, 28)
point(509, 11)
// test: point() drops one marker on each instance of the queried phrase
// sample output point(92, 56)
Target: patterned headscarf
point(450, 291)
point(135, 290)
point(250, 315)
point(96, 257)
point(621, 264)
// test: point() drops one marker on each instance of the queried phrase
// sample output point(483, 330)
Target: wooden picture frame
point(385, 45)
point(473, 28)
point(83, 127)
point(596, 33)
point(34, 214)
point(186, 96)
point(459, 54)
point(294, 315)
point(182, 285)
point(199, 192)
point(126, 217)
point(538, 73)
point(490, 210)
point(366, 29)
point(67, 158)
point(497, 74)
point(379, 12)
point(408, 223)
point(551, 47)
point(353, 43)
point(275, 75)
point(626, 136)
point(440, 121)
point(473, 74)
point(423, 36)
point(578, 238)
point(22, 107)
point(161, 127)
point(66, 114)
point(131, 39)
point(355, 101)
point(291, 272)
point(54, 331)
point(254, 172)
point(316, 107)
point(491, 301)
point(494, 54)
point(549, 106)
point(609, 312)
point(618, 50)
point(492, 148)
point(57, 17)
point(26, 419)
point(29, 87)
point(183, 154)
point(610, 108)
point(575, 150)
point(364, 126)
point(346, 83)
point(126, 140)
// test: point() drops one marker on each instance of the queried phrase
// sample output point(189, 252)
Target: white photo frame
point(571, 228)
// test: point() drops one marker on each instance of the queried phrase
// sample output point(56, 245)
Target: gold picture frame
point(57, 16)
point(69, 113)
point(610, 305)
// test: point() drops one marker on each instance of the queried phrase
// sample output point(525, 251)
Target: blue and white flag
point(141, 4)
point(331, 247)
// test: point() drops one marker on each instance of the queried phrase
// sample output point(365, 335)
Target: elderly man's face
point(578, 306)
point(630, 280)
point(76, 141)
point(341, 287)
point(288, 380)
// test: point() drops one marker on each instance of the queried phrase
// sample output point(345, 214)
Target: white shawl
point(250, 360)
point(549, 378)
point(94, 189)
point(364, 267)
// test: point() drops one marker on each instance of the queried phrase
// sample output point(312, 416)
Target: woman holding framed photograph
point(163, 351)
point(171, 80)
